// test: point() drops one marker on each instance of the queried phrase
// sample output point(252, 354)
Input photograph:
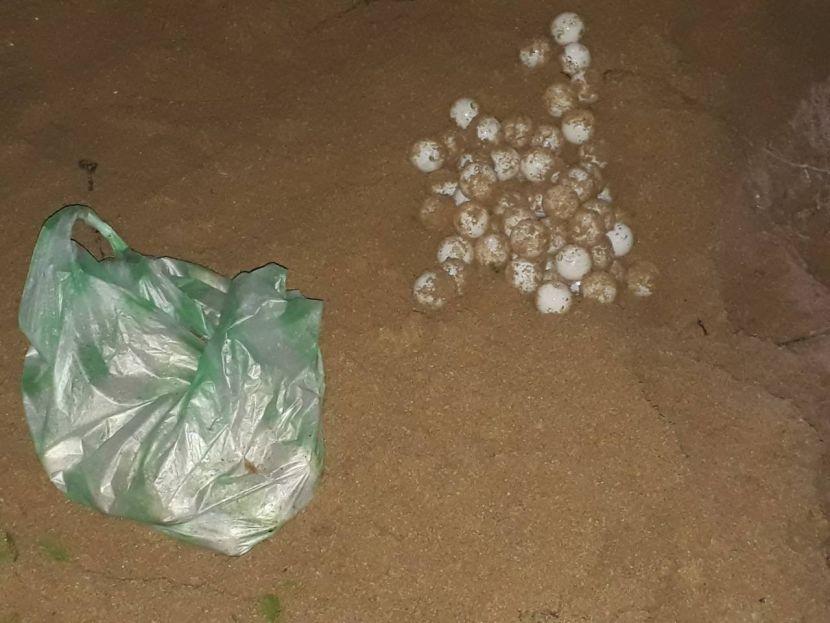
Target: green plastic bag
point(160, 391)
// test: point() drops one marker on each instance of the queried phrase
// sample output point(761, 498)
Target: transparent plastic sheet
point(160, 391)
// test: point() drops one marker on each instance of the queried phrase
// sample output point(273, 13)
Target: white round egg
point(455, 247)
point(488, 130)
point(427, 155)
point(567, 28)
point(573, 262)
point(621, 238)
point(471, 220)
point(506, 162)
point(535, 53)
point(463, 111)
point(578, 126)
point(553, 298)
point(524, 275)
point(575, 58)
point(537, 164)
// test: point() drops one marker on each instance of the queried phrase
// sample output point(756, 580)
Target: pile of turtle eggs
point(528, 198)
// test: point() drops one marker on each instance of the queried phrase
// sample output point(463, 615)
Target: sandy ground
point(658, 461)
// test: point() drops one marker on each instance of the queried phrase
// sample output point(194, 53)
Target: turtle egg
point(585, 228)
point(453, 142)
point(513, 216)
point(537, 165)
point(437, 212)
point(575, 58)
point(600, 287)
point(517, 131)
point(642, 278)
point(459, 197)
point(427, 155)
point(524, 275)
point(578, 126)
point(580, 181)
point(621, 238)
point(573, 262)
point(558, 233)
point(442, 182)
point(548, 137)
point(560, 202)
point(508, 199)
point(567, 28)
point(488, 130)
point(559, 98)
point(535, 53)
point(492, 250)
point(506, 162)
point(529, 239)
point(471, 220)
point(463, 111)
point(553, 298)
point(455, 247)
point(595, 152)
point(603, 211)
point(457, 270)
point(602, 255)
point(477, 181)
point(585, 86)
point(433, 289)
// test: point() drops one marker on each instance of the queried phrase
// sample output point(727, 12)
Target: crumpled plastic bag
point(160, 391)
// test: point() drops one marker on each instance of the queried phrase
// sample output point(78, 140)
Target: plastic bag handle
point(89, 217)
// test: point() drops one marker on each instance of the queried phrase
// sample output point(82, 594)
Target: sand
point(652, 461)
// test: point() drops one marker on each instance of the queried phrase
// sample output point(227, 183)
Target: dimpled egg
point(529, 239)
point(463, 111)
point(456, 247)
point(535, 53)
point(427, 155)
point(477, 181)
point(492, 250)
point(621, 238)
point(578, 126)
point(559, 98)
point(573, 262)
point(433, 290)
point(506, 162)
point(567, 28)
point(537, 164)
point(553, 298)
point(524, 275)
point(575, 58)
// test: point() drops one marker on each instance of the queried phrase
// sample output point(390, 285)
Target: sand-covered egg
point(437, 213)
point(642, 278)
point(581, 182)
point(573, 262)
point(529, 239)
point(463, 111)
point(517, 131)
point(514, 215)
point(489, 130)
point(506, 162)
point(559, 98)
point(553, 297)
point(561, 202)
point(492, 250)
point(585, 228)
point(575, 58)
point(557, 234)
point(433, 290)
point(537, 164)
point(548, 137)
point(535, 53)
point(567, 28)
point(471, 220)
point(442, 182)
point(602, 255)
point(477, 181)
point(621, 238)
point(456, 247)
point(600, 287)
point(427, 155)
point(578, 126)
point(524, 275)
point(604, 212)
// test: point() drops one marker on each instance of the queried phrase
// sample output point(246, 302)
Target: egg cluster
point(529, 198)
